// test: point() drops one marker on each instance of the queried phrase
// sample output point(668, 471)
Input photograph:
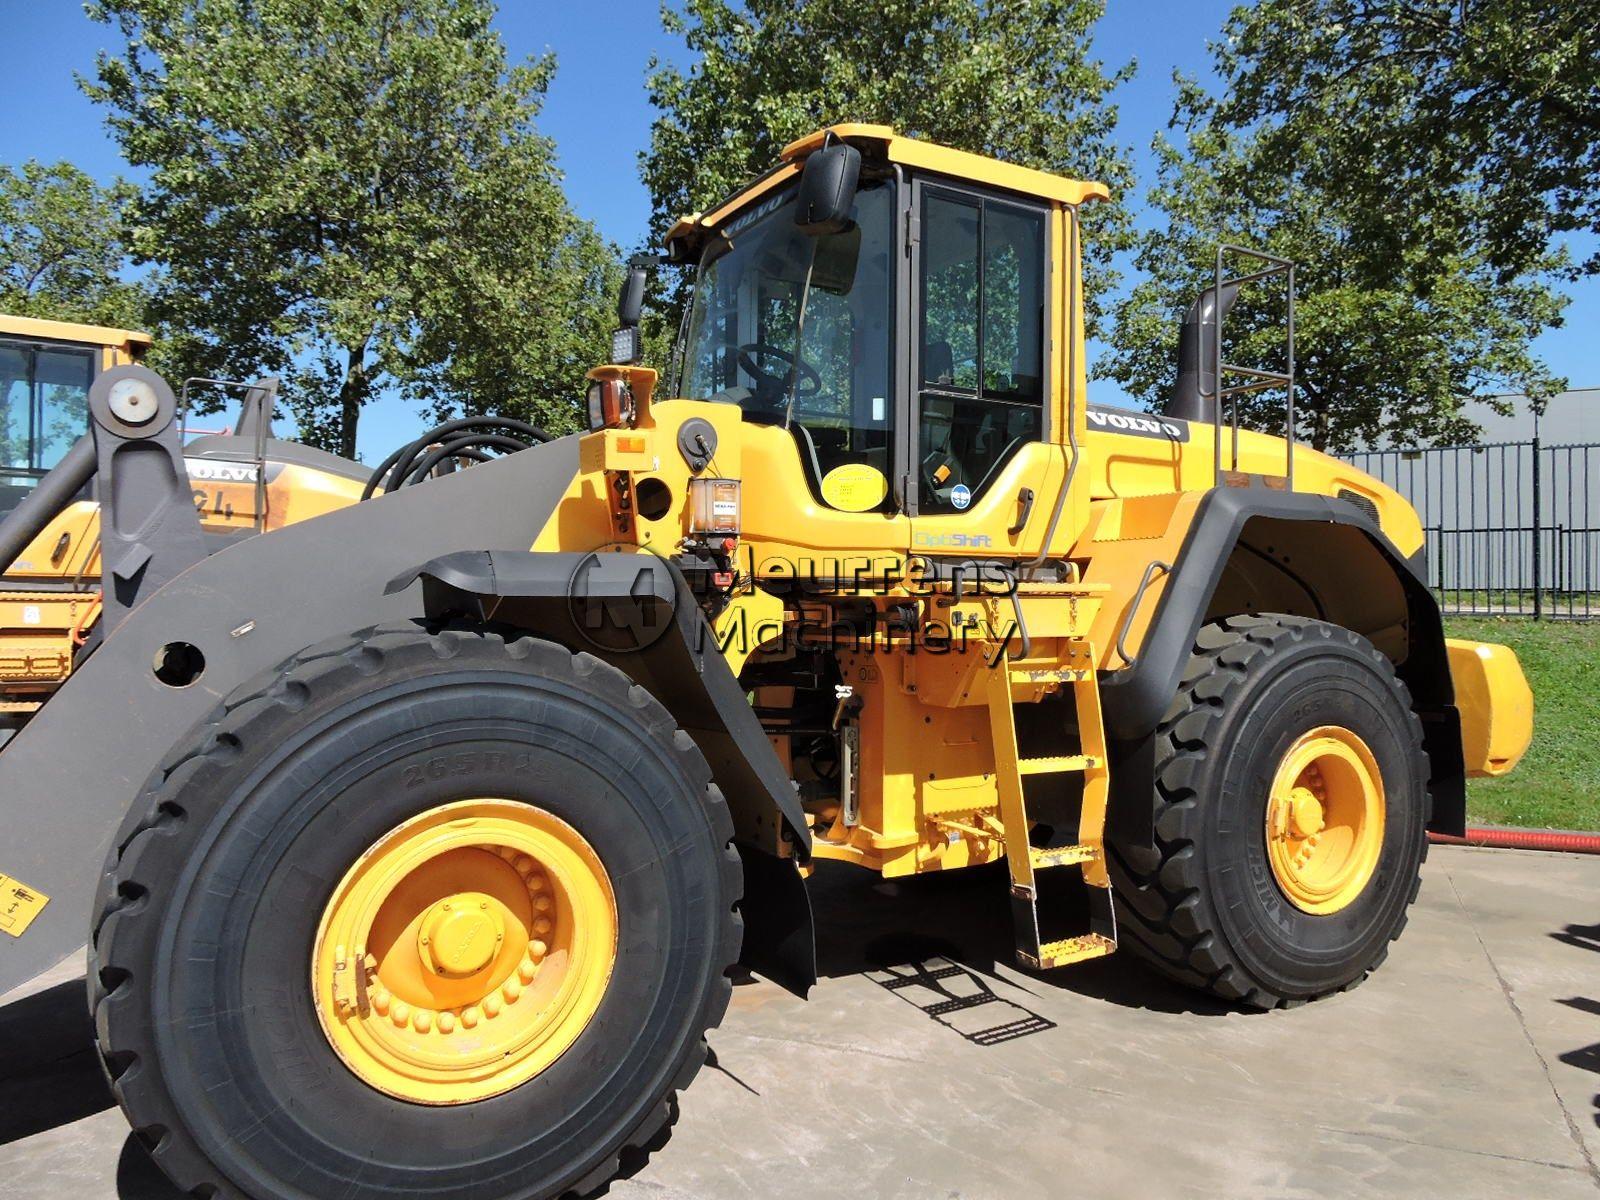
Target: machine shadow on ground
point(50, 1076)
point(50, 1072)
point(1585, 1058)
point(866, 925)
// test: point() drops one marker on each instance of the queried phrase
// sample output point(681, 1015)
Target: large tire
point(1203, 905)
point(202, 948)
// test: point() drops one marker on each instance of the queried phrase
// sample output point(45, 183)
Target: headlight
point(610, 404)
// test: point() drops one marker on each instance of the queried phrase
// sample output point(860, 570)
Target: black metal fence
point(1512, 528)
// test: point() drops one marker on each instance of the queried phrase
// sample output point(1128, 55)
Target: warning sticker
point(19, 905)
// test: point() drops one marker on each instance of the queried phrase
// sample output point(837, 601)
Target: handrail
point(1261, 380)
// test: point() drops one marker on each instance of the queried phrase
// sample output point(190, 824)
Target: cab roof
point(38, 329)
point(882, 143)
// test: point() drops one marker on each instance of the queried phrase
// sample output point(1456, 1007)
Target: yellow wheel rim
point(1325, 819)
point(464, 951)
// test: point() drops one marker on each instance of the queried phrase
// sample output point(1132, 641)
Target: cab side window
point(981, 386)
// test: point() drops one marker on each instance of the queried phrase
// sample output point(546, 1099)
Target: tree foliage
point(1490, 130)
point(1395, 328)
point(353, 193)
point(1015, 81)
point(61, 247)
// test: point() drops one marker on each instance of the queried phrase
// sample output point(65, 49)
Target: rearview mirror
point(828, 188)
point(630, 302)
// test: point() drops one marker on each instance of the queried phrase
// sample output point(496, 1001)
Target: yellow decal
point(854, 487)
point(19, 905)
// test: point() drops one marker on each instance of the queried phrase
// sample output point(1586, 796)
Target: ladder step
point(1069, 950)
point(1056, 765)
point(1050, 674)
point(1062, 856)
point(1036, 587)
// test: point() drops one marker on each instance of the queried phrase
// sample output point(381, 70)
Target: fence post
point(1538, 589)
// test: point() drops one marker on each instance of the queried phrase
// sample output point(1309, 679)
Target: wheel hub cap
point(1324, 820)
point(461, 936)
point(465, 951)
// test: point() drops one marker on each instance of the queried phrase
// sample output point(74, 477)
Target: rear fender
point(1337, 560)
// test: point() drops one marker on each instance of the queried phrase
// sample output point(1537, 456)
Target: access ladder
point(1085, 858)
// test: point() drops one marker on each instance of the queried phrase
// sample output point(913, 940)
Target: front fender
point(637, 612)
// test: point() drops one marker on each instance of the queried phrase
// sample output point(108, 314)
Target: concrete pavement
point(1468, 1066)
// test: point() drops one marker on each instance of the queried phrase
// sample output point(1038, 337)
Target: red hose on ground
point(1522, 839)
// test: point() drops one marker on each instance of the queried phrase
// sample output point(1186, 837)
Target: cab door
point(981, 462)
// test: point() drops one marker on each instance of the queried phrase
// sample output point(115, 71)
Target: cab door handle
point(1024, 511)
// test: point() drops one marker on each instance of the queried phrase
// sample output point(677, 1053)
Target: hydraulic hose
point(471, 446)
point(1522, 839)
point(49, 496)
point(488, 432)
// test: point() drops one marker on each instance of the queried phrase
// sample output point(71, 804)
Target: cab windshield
point(795, 328)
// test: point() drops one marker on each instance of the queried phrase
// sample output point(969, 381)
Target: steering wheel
point(770, 387)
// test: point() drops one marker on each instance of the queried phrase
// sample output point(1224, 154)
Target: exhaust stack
point(1194, 396)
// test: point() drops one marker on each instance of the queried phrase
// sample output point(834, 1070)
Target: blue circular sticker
point(960, 495)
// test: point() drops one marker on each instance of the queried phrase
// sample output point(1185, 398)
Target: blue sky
point(599, 116)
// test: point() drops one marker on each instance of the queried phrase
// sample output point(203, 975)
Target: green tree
point(61, 247)
point(1490, 130)
point(1393, 331)
point(353, 193)
point(1015, 81)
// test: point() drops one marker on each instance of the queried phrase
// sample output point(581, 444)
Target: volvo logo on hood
point(220, 471)
point(1151, 425)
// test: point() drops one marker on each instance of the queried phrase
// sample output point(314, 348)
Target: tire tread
point(1159, 893)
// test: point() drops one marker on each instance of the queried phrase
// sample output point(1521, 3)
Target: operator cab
point(903, 337)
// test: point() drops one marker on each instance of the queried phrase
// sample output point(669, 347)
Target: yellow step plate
point(1051, 674)
point(1062, 856)
point(1069, 950)
point(1035, 587)
point(1056, 766)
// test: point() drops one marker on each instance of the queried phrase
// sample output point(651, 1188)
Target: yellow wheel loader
point(433, 826)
